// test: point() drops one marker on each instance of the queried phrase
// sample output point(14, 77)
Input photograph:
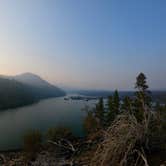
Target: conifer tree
point(127, 104)
point(143, 94)
point(99, 112)
point(143, 99)
point(111, 114)
point(113, 107)
point(116, 102)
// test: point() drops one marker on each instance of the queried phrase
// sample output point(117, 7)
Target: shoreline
point(28, 104)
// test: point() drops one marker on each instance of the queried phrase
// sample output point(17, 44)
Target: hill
point(40, 87)
point(14, 94)
point(31, 79)
point(25, 89)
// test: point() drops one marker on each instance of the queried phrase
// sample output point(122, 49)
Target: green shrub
point(90, 124)
point(58, 133)
point(32, 141)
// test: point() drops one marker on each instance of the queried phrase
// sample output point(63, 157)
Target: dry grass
point(119, 145)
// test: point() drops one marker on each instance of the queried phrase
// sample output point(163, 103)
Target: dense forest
point(14, 94)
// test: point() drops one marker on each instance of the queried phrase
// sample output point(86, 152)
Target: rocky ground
point(52, 156)
point(43, 158)
point(46, 158)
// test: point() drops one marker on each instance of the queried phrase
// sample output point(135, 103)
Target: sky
point(86, 44)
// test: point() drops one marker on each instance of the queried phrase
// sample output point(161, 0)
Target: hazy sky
point(85, 43)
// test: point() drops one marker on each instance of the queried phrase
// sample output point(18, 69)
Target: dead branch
point(142, 155)
point(69, 145)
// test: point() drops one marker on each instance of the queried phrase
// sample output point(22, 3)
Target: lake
point(14, 123)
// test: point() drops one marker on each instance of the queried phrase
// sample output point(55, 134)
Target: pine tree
point(143, 99)
point(111, 114)
point(116, 102)
point(127, 104)
point(113, 107)
point(99, 112)
point(143, 94)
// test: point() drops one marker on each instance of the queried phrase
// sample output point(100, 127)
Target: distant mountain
point(25, 89)
point(42, 87)
point(31, 79)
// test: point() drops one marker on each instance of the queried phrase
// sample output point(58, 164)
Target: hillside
point(40, 87)
point(25, 89)
point(14, 94)
point(31, 79)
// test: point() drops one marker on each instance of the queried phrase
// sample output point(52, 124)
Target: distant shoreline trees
point(102, 117)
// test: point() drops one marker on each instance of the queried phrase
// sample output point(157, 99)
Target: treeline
point(157, 96)
point(103, 115)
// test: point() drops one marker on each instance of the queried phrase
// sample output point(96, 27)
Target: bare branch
point(69, 146)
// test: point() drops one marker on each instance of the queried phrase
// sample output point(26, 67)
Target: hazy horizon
point(90, 44)
point(75, 88)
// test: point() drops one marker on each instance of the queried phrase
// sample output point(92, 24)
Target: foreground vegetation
point(128, 132)
point(133, 129)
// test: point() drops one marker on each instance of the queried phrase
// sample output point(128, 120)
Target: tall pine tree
point(113, 107)
point(142, 97)
point(127, 104)
point(99, 112)
point(143, 94)
point(116, 102)
point(111, 114)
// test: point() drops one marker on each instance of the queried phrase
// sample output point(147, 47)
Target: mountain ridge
point(25, 89)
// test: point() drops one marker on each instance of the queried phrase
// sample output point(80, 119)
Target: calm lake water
point(48, 113)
